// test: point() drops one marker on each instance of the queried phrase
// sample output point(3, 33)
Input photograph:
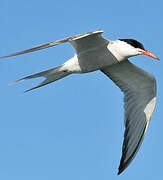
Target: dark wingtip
point(121, 168)
point(120, 171)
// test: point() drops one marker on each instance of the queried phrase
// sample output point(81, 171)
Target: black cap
point(133, 43)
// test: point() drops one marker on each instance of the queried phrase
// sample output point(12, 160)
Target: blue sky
point(73, 129)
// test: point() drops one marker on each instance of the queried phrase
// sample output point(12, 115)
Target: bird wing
point(139, 89)
point(79, 42)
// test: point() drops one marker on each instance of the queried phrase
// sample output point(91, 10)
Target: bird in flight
point(93, 52)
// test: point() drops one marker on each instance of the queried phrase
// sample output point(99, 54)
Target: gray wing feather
point(75, 40)
point(139, 88)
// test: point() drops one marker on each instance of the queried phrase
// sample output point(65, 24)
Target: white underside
point(92, 60)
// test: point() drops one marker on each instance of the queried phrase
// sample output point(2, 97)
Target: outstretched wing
point(139, 88)
point(79, 42)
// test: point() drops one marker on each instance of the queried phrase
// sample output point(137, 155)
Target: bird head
point(131, 47)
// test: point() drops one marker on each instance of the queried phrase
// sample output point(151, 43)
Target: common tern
point(93, 52)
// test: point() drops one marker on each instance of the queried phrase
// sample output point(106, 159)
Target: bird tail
point(50, 75)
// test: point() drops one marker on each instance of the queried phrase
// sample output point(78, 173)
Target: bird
point(94, 52)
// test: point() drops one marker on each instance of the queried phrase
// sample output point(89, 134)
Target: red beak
point(149, 54)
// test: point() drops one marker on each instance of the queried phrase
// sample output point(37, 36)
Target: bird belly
point(91, 60)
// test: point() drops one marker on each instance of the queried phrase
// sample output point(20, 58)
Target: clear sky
point(73, 129)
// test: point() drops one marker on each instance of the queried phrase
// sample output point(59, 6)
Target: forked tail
point(50, 75)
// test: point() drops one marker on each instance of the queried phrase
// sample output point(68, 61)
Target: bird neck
point(113, 49)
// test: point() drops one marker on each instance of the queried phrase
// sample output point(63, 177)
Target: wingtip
point(121, 168)
point(10, 55)
point(5, 56)
point(119, 171)
point(14, 82)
